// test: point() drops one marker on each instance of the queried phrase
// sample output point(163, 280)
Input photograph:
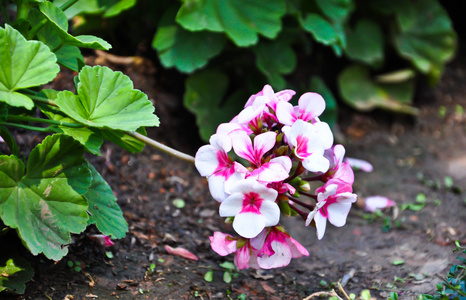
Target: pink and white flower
point(372, 203)
point(338, 169)
point(309, 142)
point(213, 162)
point(278, 250)
point(253, 206)
point(310, 107)
point(334, 201)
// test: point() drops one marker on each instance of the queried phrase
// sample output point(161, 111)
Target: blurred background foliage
point(366, 54)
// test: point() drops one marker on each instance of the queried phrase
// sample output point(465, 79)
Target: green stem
point(161, 147)
point(40, 120)
point(34, 128)
point(67, 5)
point(36, 28)
point(23, 10)
point(451, 286)
point(42, 100)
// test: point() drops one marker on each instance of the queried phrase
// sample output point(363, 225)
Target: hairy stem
point(33, 128)
point(40, 120)
point(67, 5)
point(161, 147)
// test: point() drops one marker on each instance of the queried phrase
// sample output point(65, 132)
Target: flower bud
point(304, 186)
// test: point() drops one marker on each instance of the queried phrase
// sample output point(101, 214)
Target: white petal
point(248, 225)
point(316, 162)
point(270, 172)
point(346, 197)
point(285, 161)
point(321, 224)
point(377, 202)
point(330, 190)
point(285, 113)
point(271, 213)
point(206, 160)
point(217, 187)
point(360, 164)
point(221, 142)
point(311, 104)
point(325, 134)
point(337, 213)
point(242, 145)
point(231, 206)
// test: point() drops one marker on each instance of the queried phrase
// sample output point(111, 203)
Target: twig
point(318, 294)
point(343, 291)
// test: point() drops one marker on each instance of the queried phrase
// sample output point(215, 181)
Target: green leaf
point(15, 271)
point(275, 59)
point(205, 100)
point(90, 139)
point(227, 277)
point(325, 32)
point(425, 36)
point(398, 262)
point(365, 43)
point(45, 205)
point(58, 27)
point(109, 8)
point(359, 91)
point(70, 57)
point(330, 114)
point(106, 99)
point(337, 10)
point(124, 140)
point(187, 51)
point(9, 140)
point(228, 265)
point(241, 20)
point(209, 276)
point(103, 208)
point(24, 64)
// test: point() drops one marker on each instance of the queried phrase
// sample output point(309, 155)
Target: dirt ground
point(410, 156)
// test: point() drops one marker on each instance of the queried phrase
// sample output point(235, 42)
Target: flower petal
point(360, 164)
point(316, 162)
point(337, 213)
point(231, 206)
point(181, 252)
point(221, 244)
point(311, 105)
point(248, 224)
point(372, 203)
point(206, 160)
point(281, 258)
point(321, 224)
point(286, 113)
point(271, 213)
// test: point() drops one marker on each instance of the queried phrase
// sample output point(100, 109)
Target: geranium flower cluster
point(280, 150)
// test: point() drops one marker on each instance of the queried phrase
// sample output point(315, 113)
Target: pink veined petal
point(285, 95)
point(344, 173)
point(373, 203)
point(270, 172)
point(221, 244)
point(346, 197)
point(249, 113)
point(271, 213)
point(337, 213)
point(231, 206)
point(281, 258)
point(242, 145)
point(359, 164)
point(181, 252)
point(286, 113)
point(325, 192)
point(313, 213)
point(321, 224)
point(311, 105)
point(296, 248)
point(316, 162)
point(242, 257)
point(248, 225)
point(233, 179)
point(263, 143)
point(285, 161)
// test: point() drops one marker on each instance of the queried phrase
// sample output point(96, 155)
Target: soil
point(410, 156)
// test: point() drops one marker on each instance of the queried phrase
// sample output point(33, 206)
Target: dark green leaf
point(45, 205)
point(365, 43)
point(241, 20)
point(124, 140)
point(10, 141)
point(103, 208)
point(15, 271)
point(359, 90)
point(337, 10)
point(185, 50)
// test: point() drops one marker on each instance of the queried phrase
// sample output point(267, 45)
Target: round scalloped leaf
point(106, 99)
point(365, 43)
point(241, 20)
point(275, 59)
point(426, 36)
point(324, 32)
point(185, 50)
point(24, 64)
point(337, 10)
point(124, 140)
point(360, 91)
point(90, 139)
point(58, 21)
point(46, 204)
point(103, 208)
point(206, 100)
point(108, 8)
